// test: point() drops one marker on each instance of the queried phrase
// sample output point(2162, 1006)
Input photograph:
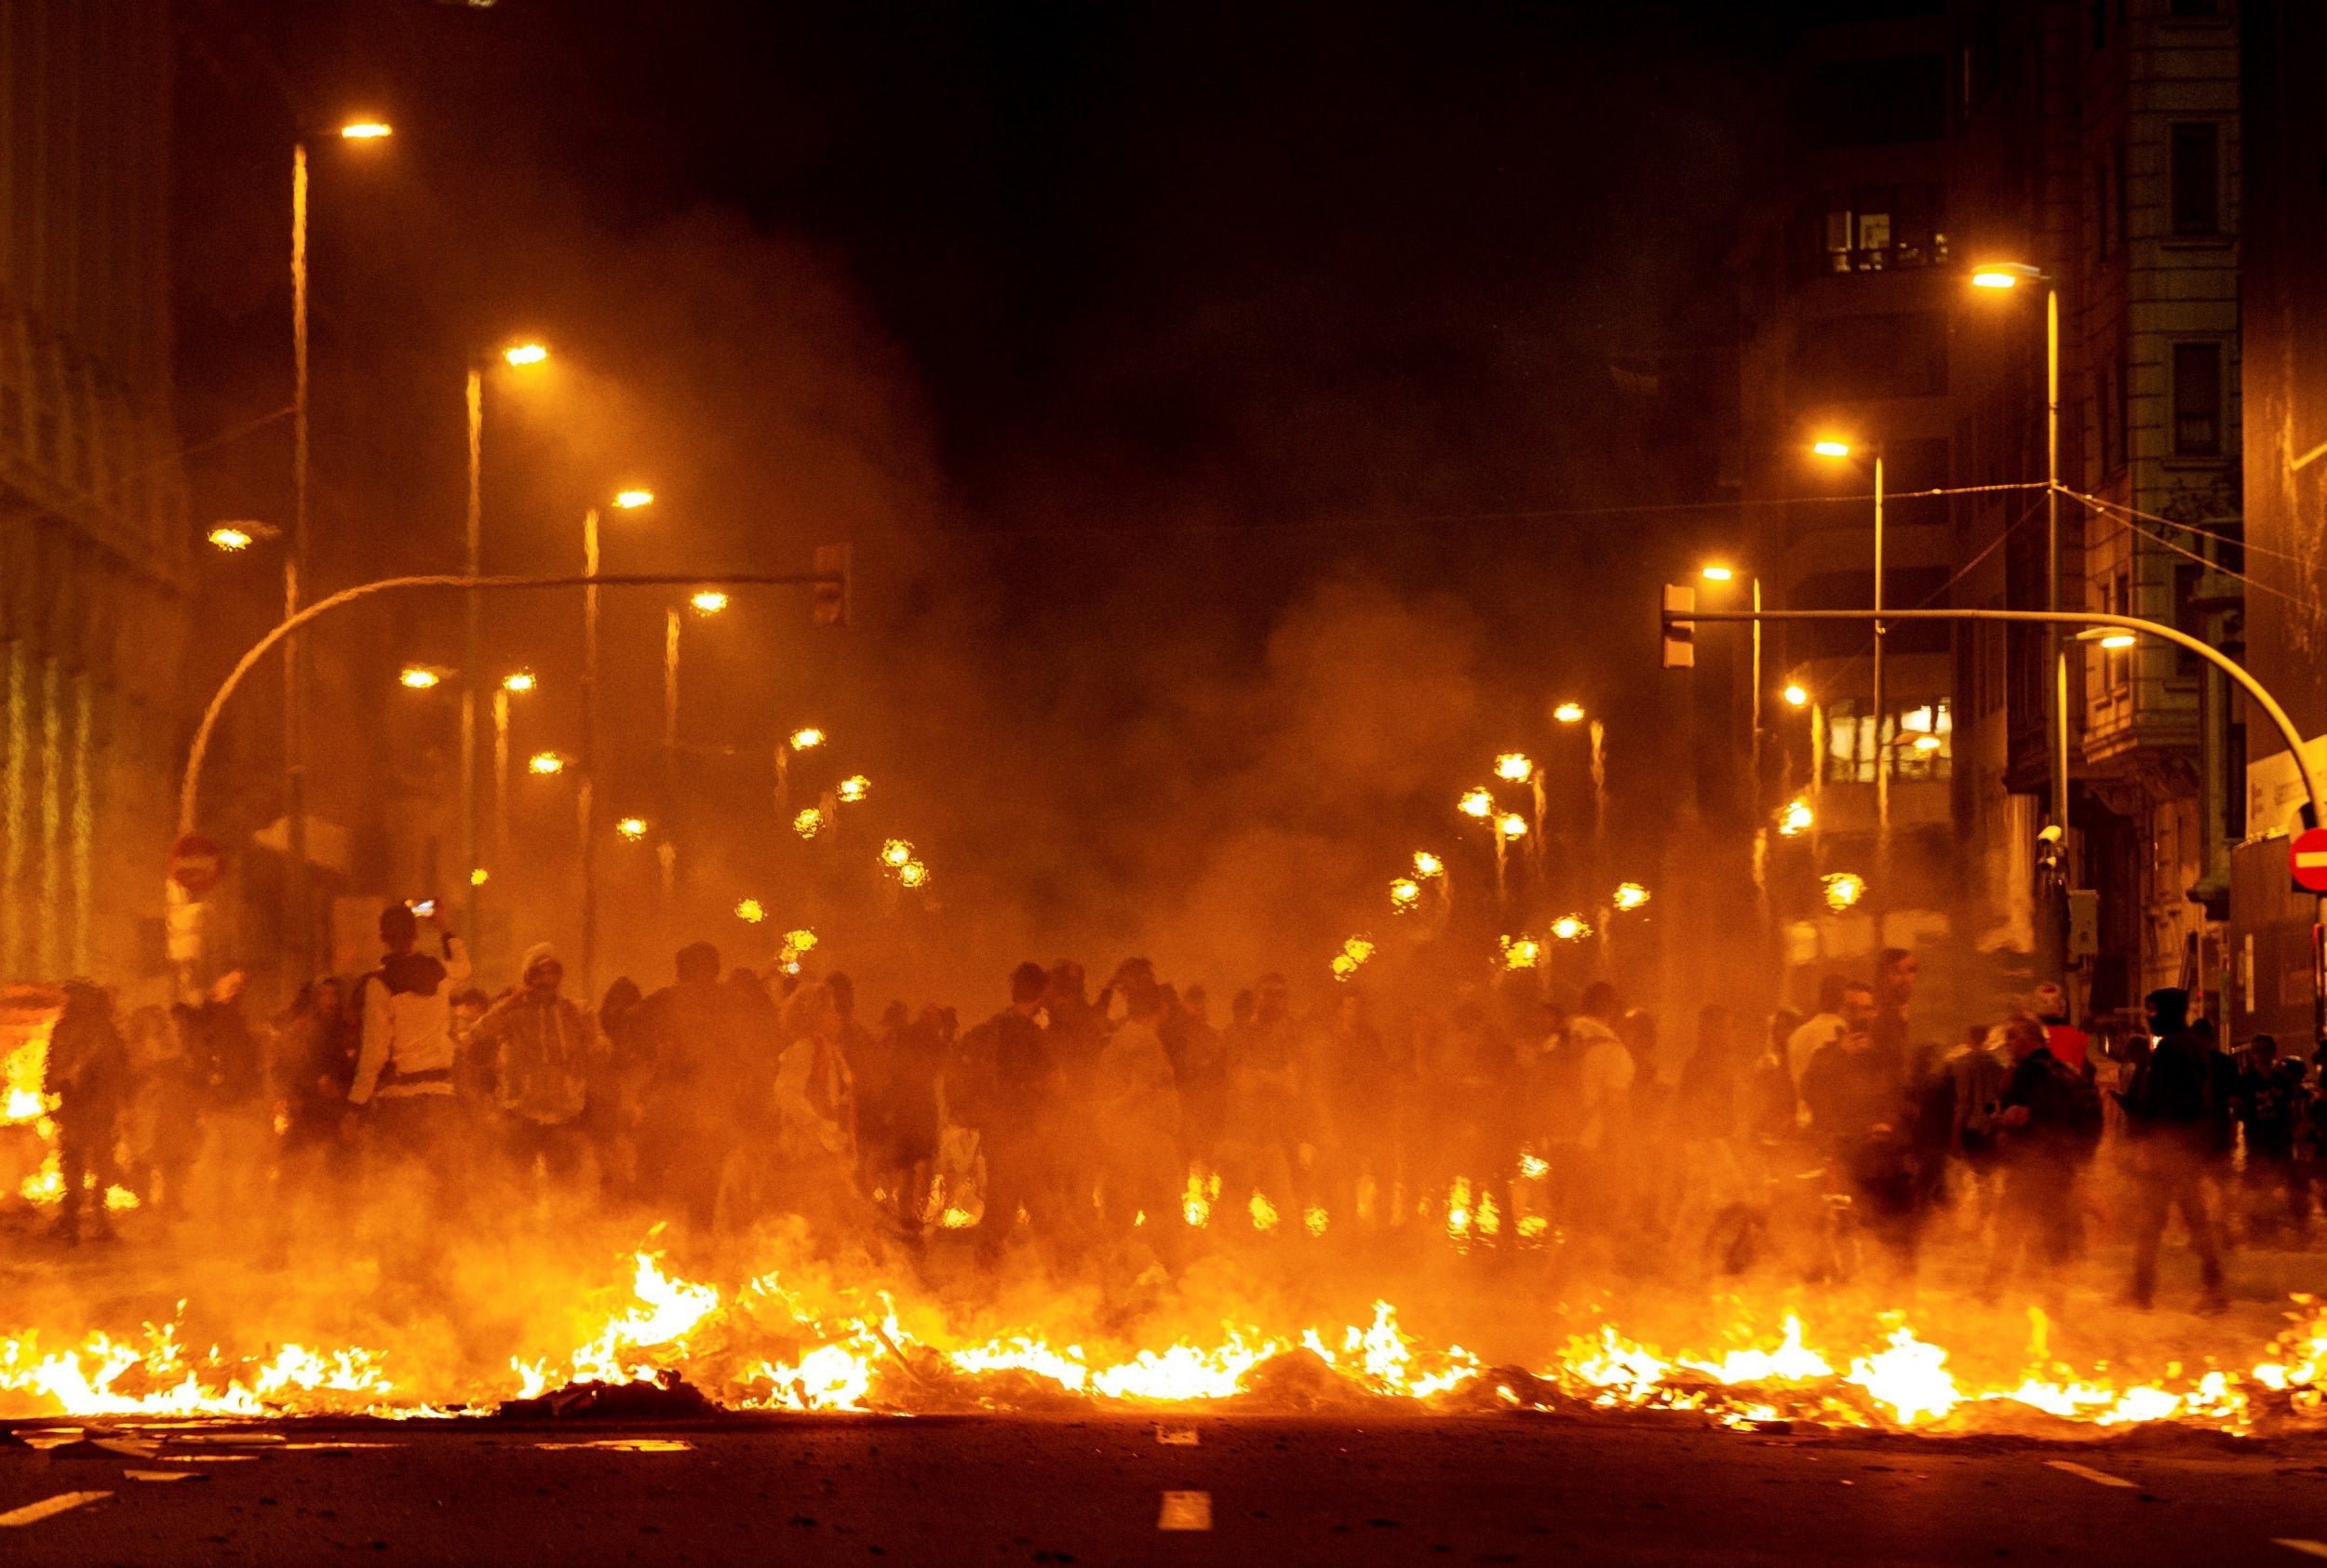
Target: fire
point(815, 1344)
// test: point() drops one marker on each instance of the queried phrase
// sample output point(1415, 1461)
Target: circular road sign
point(2307, 859)
point(195, 864)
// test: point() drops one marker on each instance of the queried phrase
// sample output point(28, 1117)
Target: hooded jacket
point(408, 1026)
point(541, 1051)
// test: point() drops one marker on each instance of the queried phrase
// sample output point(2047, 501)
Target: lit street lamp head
point(547, 763)
point(366, 130)
point(229, 538)
point(631, 828)
point(808, 738)
point(1718, 573)
point(518, 681)
point(525, 354)
point(630, 501)
point(1831, 447)
point(1427, 865)
point(1796, 695)
point(1514, 767)
point(708, 602)
point(854, 788)
point(1476, 803)
point(1568, 713)
point(1511, 824)
point(2005, 274)
point(417, 678)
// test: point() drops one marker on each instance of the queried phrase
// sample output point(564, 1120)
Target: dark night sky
point(1140, 348)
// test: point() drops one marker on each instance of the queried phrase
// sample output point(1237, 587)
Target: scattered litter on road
point(48, 1507)
point(1176, 1436)
point(627, 1445)
point(1185, 1510)
point(2099, 1478)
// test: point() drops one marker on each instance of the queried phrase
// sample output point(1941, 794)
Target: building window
point(2196, 151)
point(1871, 229)
point(1917, 736)
point(2197, 401)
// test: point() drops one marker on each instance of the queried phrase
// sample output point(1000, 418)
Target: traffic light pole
point(190, 783)
point(1679, 615)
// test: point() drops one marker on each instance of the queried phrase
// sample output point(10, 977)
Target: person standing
point(685, 1129)
point(816, 1112)
point(230, 1079)
point(539, 1049)
point(2069, 1045)
point(2171, 1111)
point(2048, 1123)
point(1818, 1031)
point(1002, 1086)
point(88, 1072)
point(404, 1064)
point(1138, 1122)
point(1604, 1074)
point(1860, 1113)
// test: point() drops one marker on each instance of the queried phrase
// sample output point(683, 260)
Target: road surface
point(1201, 1490)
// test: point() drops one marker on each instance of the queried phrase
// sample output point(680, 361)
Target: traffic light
point(1680, 628)
point(831, 602)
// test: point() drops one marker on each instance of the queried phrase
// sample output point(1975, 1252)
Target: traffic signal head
point(1680, 628)
point(830, 606)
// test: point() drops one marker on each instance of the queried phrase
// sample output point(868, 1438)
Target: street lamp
point(1568, 713)
point(2004, 278)
point(419, 677)
point(631, 828)
point(1795, 695)
point(523, 353)
point(516, 683)
point(585, 799)
point(705, 602)
point(1836, 447)
point(295, 895)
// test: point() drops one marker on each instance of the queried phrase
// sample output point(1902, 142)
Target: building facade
point(93, 542)
point(2097, 143)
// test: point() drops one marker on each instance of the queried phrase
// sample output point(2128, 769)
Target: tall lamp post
point(2002, 278)
point(585, 799)
point(296, 902)
point(705, 602)
point(518, 354)
point(1833, 447)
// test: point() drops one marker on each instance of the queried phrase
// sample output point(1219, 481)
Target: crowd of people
point(1827, 1143)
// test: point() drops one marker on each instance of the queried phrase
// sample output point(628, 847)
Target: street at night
point(1229, 782)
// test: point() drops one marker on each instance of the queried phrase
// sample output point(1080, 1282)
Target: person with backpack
point(2049, 1123)
point(2171, 1107)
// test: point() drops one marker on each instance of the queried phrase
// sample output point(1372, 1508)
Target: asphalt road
point(1511, 1489)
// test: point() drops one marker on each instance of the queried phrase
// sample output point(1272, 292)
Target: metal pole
point(1882, 750)
point(500, 776)
point(297, 933)
point(189, 782)
point(585, 810)
point(475, 653)
point(2314, 790)
point(2054, 564)
point(670, 754)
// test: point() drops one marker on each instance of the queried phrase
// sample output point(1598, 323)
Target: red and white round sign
point(195, 865)
point(2307, 859)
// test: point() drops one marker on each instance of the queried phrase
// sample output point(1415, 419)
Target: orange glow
point(632, 828)
point(1831, 448)
point(1568, 713)
point(545, 763)
point(710, 601)
point(1476, 803)
point(417, 678)
point(630, 501)
point(1718, 573)
point(525, 354)
point(520, 681)
point(229, 538)
point(1427, 865)
point(1511, 824)
point(366, 130)
point(1795, 695)
point(1514, 767)
point(807, 738)
point(854, 788)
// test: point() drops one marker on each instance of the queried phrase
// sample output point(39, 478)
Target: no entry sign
point(195, 862)
point(2307, 859)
